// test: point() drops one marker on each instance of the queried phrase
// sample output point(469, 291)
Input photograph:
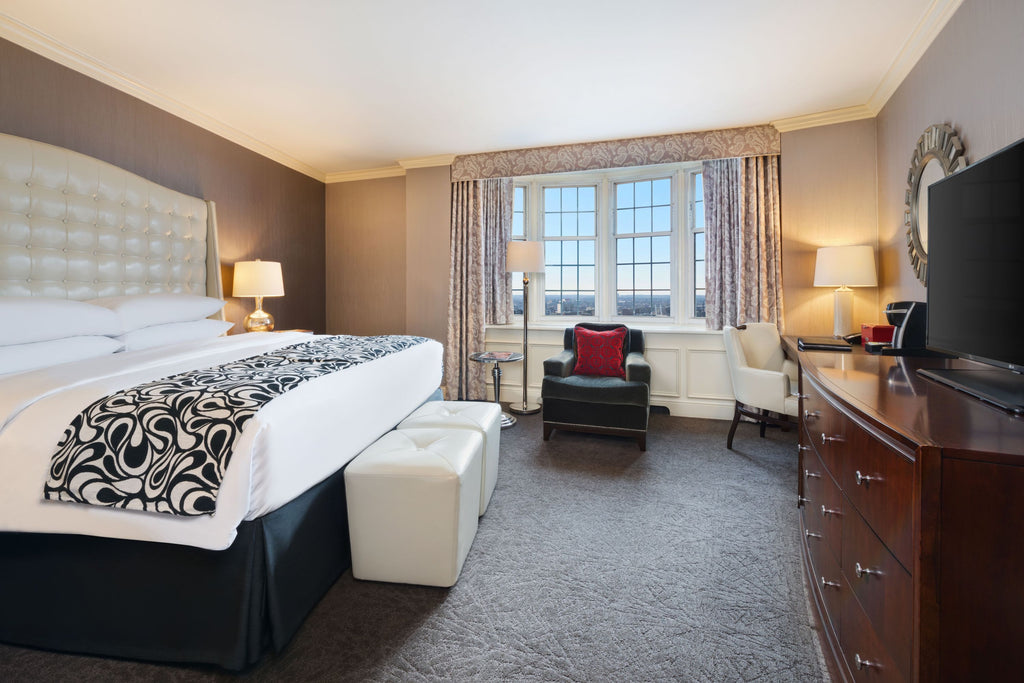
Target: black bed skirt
point(173, 603)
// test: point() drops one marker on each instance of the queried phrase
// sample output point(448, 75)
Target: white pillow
point(174, 333)
point(144, 310)
point(26, 319)
point(23, 357)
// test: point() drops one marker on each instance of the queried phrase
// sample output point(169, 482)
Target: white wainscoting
point(689, 375)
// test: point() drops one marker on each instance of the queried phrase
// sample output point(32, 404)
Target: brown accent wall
point(366, 257)
point(828, 199)
point(428, 202)
point(970, 77)
point(264, 210)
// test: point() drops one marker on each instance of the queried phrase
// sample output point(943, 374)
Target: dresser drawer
point(864, 653)
point(823, 425)
point(827, 577)
point(879, 482)
point(883, 587)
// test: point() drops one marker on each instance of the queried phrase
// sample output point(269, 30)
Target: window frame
point(682, 270)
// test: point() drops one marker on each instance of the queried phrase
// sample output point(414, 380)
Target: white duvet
point(295, 441)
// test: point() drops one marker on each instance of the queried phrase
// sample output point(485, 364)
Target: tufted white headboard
point(76, 227)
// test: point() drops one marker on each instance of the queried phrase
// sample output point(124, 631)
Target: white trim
point(824, 118)
point(42, 44)
point(427, 162)
point(931, 24)
point(365, 174)
point(928, 28)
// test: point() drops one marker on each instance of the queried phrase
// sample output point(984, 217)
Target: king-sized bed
point(216, 588)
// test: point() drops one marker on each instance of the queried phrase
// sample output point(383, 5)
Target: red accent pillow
point(599, 353)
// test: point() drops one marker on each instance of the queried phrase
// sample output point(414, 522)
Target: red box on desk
point(876, 333)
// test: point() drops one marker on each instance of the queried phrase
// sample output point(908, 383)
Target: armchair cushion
point(599, 352)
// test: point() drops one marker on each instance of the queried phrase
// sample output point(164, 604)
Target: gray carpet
point(594, 562)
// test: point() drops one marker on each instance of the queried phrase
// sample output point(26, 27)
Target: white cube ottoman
point(413, 497)
point(476, 415)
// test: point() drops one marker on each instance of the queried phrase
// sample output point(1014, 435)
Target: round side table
point(496, 358)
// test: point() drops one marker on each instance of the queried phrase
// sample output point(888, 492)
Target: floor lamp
point(845, 267)
point(525, 257)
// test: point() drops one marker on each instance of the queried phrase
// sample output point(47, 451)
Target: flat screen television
point(976, 276)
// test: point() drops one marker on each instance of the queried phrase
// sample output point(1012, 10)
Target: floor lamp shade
point(525, 257)
point(845, 267)
point(258, 279)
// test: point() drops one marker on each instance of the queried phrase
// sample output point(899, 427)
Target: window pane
point(569, 252)
point(586, 224)
point(698, 186)
point(662, 218)
point(698, 307)
point(518, 229)
point(518, 198)
point(624, 196)
point(552, 199)
point(643, 220)
point(568, 199)
point(661, 249)
point(518, 213)
point(553, 278)
point(642, 193)
point(624, 221)
point(552, 253)
point(662, 191)
point(587, 277)
point(624, 278)
point(552, 224)
point(624, 303)
point(625, 250)
point(699, 278)
point(642, 276)
point(698, 215)
point(569, 277)
point(586, 252)
point(642, 250)
point(662, 303)
point(698, 246)
point(586, 198)
point(568, 224)
point(661, 279)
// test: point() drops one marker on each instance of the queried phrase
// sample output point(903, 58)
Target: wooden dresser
point(912, 516)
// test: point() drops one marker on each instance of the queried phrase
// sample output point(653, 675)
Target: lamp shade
point(258, 278)
point(524, 257)
point(852, 266)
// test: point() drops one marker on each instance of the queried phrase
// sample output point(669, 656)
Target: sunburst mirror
point(938, 153)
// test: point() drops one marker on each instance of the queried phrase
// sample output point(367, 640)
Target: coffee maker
point(910, 319)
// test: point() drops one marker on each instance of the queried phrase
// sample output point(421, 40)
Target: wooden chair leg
point(642, 441)
point(732, 429)
point(547, 431)
point(764, 425)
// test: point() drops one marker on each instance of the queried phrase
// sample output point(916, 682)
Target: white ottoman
point(476, 415)
point(413, 497)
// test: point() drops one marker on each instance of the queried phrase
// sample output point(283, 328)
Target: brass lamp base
point(259, 320)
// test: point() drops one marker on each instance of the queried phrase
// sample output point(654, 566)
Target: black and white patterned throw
point(164, 446)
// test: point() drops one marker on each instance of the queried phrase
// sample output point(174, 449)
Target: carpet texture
point(594, 562)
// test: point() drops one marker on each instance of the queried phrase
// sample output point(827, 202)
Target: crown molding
point(824, 118)
point(931, 24)
point(364, 174)
point(427, 162)
point(42, 44)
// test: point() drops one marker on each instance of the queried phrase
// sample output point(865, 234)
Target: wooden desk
point(910, 496)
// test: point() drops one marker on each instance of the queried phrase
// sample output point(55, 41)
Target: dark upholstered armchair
point(594, 403)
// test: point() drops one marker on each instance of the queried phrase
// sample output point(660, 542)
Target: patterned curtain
point(744, 241)
point(478, 286)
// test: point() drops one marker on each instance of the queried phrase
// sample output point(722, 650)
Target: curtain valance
point(657, 149)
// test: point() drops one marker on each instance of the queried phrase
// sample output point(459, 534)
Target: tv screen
point(976, 261)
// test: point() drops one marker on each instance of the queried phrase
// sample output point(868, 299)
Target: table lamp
point(258, 279)
point(845, 267)
point(526, 257)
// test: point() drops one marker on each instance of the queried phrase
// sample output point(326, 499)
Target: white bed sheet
point(295, 441)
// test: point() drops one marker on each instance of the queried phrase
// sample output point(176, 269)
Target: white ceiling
point(328, 86)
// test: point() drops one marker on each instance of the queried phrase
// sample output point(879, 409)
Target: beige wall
point(365, 257)
point(828, 199)
point(428, 224)
point(970, 77)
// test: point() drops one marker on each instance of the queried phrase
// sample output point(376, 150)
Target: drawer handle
point(812, 475)
point(802, 447)
point(810, 534)
point(803, 396)
point(862, 572)
point(864, 478)
point(865, 663)
point(825, 512)
point(825, 583)
point(829, 439)
point(812, 414)
point(800, 500)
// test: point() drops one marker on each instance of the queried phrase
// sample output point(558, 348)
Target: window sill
point(647, 327)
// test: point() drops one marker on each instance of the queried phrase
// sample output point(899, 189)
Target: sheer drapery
point(479, 291)
point(744, 241)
